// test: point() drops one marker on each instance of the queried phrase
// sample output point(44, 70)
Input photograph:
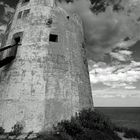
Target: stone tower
point(48, 80)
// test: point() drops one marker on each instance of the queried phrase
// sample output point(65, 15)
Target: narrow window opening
point(25, 1)
point(19, 15)
point(26, 13)
point(53, 38)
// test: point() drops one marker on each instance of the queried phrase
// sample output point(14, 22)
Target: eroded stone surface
point(48, 81)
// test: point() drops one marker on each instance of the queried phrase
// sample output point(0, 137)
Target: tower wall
point(49, 79)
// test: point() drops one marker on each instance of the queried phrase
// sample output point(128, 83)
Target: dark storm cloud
point(2, 11)
point(107, 30)
point(11, 3)
point(103, 32)
point(7, 9)
point(6, 12)
point(110, 34)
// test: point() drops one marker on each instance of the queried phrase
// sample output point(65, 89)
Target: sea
point(123, 116)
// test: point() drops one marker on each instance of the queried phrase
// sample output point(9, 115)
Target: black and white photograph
point(69, 69)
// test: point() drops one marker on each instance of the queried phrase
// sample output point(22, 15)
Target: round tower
point(48, 80)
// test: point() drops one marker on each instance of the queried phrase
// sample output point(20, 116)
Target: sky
point(113, 49)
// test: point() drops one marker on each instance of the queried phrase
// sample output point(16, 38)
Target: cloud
point(125, 52)
point(122, 55)
point(2, 28)
point(125, 44)
point(130, 87)
point(116, 76)
point(9, 9)
point(1, 3)
point(103, 32)
point(107, 30)
point(7, 12)
point(109, 93)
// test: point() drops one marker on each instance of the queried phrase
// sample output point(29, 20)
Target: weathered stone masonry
point(49, 79)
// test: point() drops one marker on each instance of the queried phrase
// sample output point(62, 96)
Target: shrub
point(88, 124)
point(71, 127)
point(16, 129)
point(128, 133)
point(1, 131)
point(112, 134)
point(54, 136)
point(93, 135)
point(63, 136)
point(132, 133)
point(94, 119)
point(120, 129)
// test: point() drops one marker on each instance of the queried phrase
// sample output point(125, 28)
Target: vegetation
point(132, 133)
point(16, 129)
point(1, 131)
point(86, 125)
point(128, 133)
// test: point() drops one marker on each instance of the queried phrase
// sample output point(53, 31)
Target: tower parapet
point(48, 80)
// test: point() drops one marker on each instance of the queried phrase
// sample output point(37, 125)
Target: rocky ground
point(33, 136)
point(121, 135)
point(20, 137)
